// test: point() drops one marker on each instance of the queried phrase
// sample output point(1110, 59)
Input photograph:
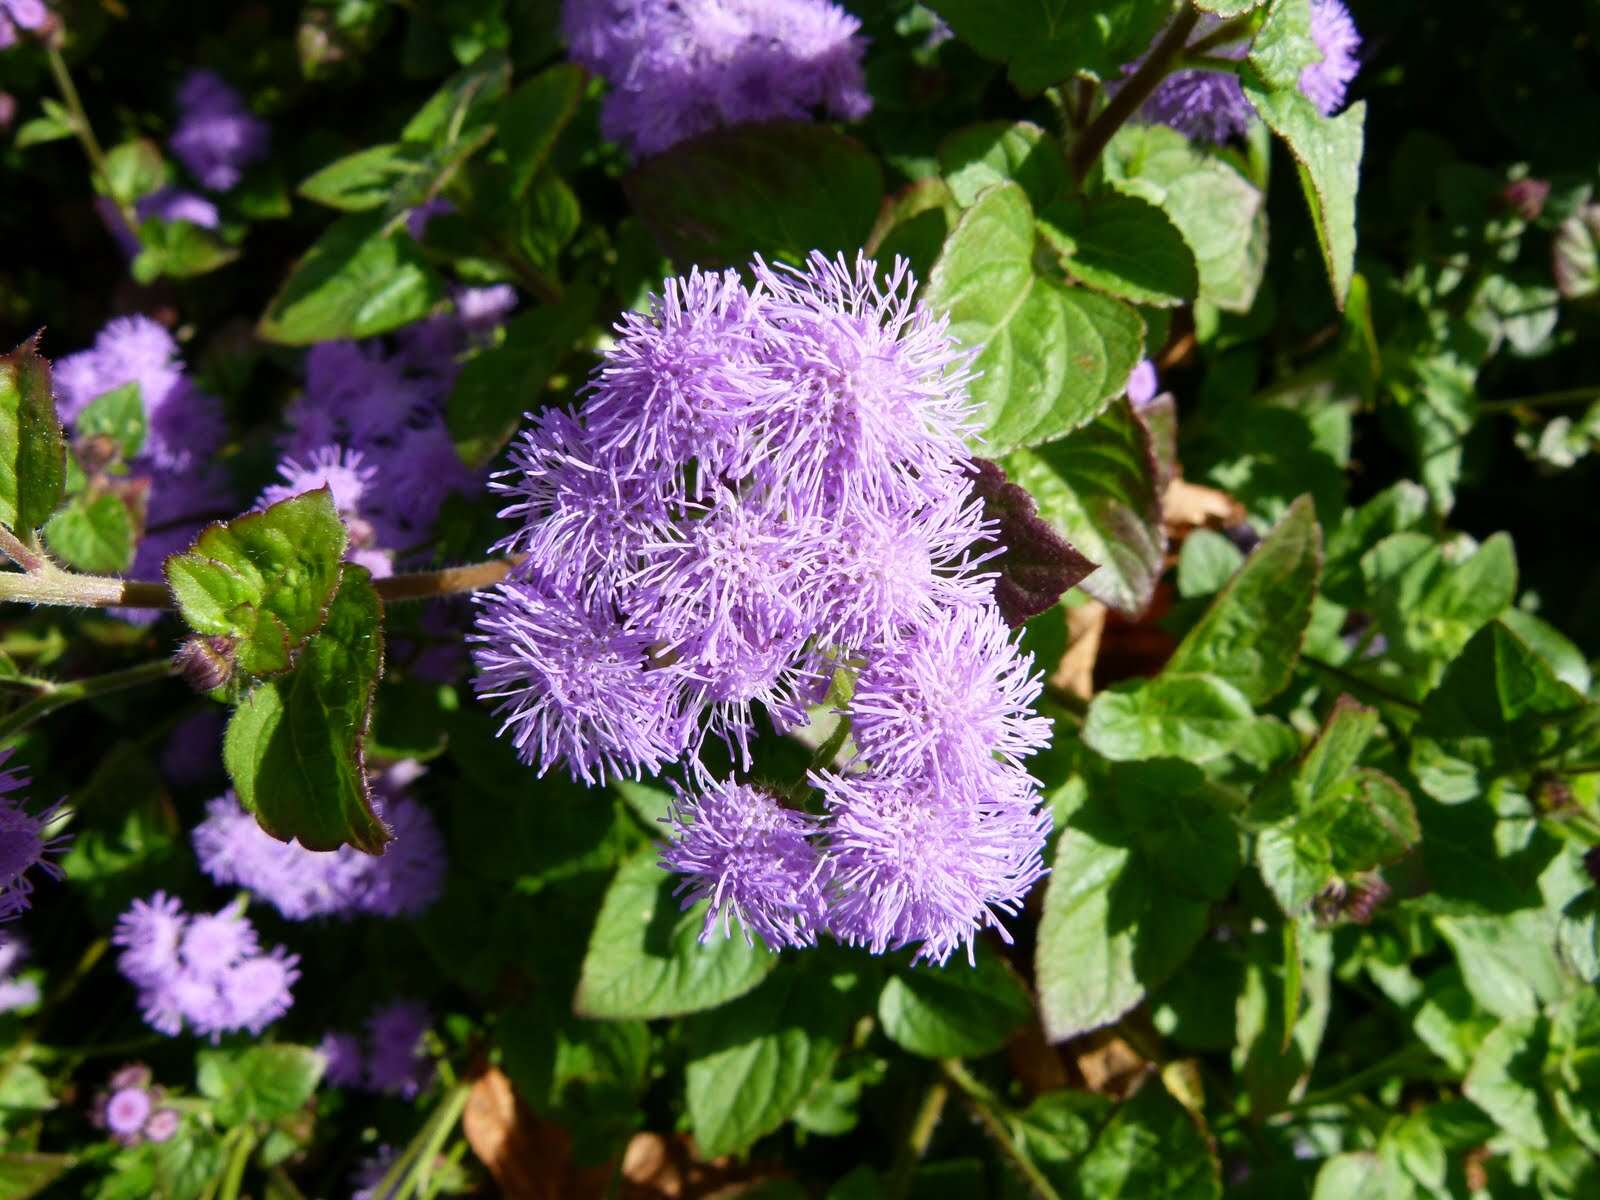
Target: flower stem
point(1542, 400)
point(1130, 97)
point(918, 1135)
point(986, 1108)
point(62, 694)
point(451, 581)
point(20, 552)
point(84, 131)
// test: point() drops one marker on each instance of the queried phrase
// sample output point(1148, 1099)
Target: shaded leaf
point(979, 156)
point(1125, 246)
point(33, 454)
point(954, 1011)
point(1046, 41)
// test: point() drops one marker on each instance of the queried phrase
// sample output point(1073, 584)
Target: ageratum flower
point(397, 1060)
point(206, 972)
point(23, 844)
point(15, 993)
point(765, 486)
point(18, 15)
point(1211, 105)
point(217, 136)
point(678, 68)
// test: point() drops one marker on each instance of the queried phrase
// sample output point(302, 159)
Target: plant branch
point(84, 132)
point(62, 694)
point(451, 581)
point(1130, 97)
point(1542, 400)
point(918, 1136)
point(985, 1108)
point(20, 552)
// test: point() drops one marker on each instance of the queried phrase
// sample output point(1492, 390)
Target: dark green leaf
point(752, 1062)
point(1098, 488)
point(1151, 1149)
point(1221, 214)
point(645, 959)
point(954, 1011)
point(1123, 245)
point(1197, 717)
point(33, 455)
point(93, 533)
point(1250, 636)
point(1051, 357)
point(913, 225)
point(467, 104)
point(1046, 41)
point(1181, 824)
point(294, 746)
point(263, 580)
point(980, 156)
point(259, 1083)
point(356, 281)
point(1399, 508)
point(781, 190)
point(118, 415)
point(532, 118)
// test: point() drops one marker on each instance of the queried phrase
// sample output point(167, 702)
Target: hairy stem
point(450, 581)
point(62, 694)
point(918, 1136)
point(20, 552)
point(1131, 96)
point(984, 1106)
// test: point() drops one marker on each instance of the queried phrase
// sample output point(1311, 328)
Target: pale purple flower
point(128, 1108)
point(1143, 384)
point(150, 933)
point(756, 861)
point(1325, 83)
point(678, 68)
point(257, 991)
point(346, 1065)
point(15, 993)
point(216, 136)
point(16, 15)
point(417, 219)
point(24, 846)
point(125, 1112)
point(175, 204)
point(163, 1123)
point(482, 309)
point(397, 1061)
point(215, 943)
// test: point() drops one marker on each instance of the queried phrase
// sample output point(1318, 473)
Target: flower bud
point(1525, 197)
point(205, 663)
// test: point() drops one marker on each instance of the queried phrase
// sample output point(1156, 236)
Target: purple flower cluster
point(23, 844)
point(217, 136)
point(678, 68)
point(765, 488)
point(18, 15)
point(1211, 106)
point(184, 429)
point(129, 1108)
point(15, 993)
point(370, 426)
point(401, 882)
point(206, 971)
point(392, 1058)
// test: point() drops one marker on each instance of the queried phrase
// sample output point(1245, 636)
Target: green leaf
point(1098, 488)
point(1505, 1080)
point(1124, 246)
point(1046, 41)
point(913, 225)
point(1575, 255)
point(1114, 927)
point(33, 454)
point(1508, 961)
point(134, 169)
point(1574, 1065)
point(118, 415)
point(954, 1011)
point(1206, 563)
point(781, 190)
point(24, 1174)
point(645, 959)
point(1228, 8)
point(1428, 604)
point(294, 745)
point(979, 156)
point(532, 118)
point(1251, 635)
point(357, 280)
point(1400, 508)
point(1151, 1149)
point(260, 1083)
point(93, 533)
point(178, 250)
point(1221, 214)
point(1197, 717)
point(1499, 710)
point(1181, 824)
point(1359, 1175)
point(368, 178)
point(1051, 357)
point(264, 579)
point(467, 104)
point(498, 386)
point(752, 1062)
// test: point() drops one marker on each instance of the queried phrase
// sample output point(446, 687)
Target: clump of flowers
point(678, 68)
point(1211, 105)
point(24, 845)
point(129, 1108)
point(401, 882)
point(768, 491)
point(184, 429)
point(204, 971)
point(390, 1059)
point(370, 426)
point(19, 15)
point(217, 137)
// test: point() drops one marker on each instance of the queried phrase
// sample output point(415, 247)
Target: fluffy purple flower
point(163, 1123)
point(128, 1108)
point(217, 136)
point(397, 1061)
point(125, 1112)
point(18, 15)
point(1143, 384)
point(15, 993)
point(1325, 83)
point(756, 861)
point(682, 67)
point(403, 881)
point(206, 972)
point(23, 844)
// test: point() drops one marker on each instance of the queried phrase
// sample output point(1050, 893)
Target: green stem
point(84, 132)
point(63, 694)
point(1542, 400)
point(986, 1108)
point(233, 1180)
point(1355, 680)
point(918, 1136)
point(1131, 96)
point(415, 1163)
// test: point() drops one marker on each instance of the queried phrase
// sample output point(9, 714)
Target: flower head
point(397, 1061)
point(18, 15)
point(346, 1064)
point(217, 136)
point(24, 845)
point(1325, 83)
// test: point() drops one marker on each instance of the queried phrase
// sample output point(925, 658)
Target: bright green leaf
point(117, 414)
point(95, 534)
point(1505, 1080)
point(954, 1011)
point(368, 178)
point(1151, 1149)
point(259, 1083)
point(33, 454)
point(980, 156)
point(1197, 717)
